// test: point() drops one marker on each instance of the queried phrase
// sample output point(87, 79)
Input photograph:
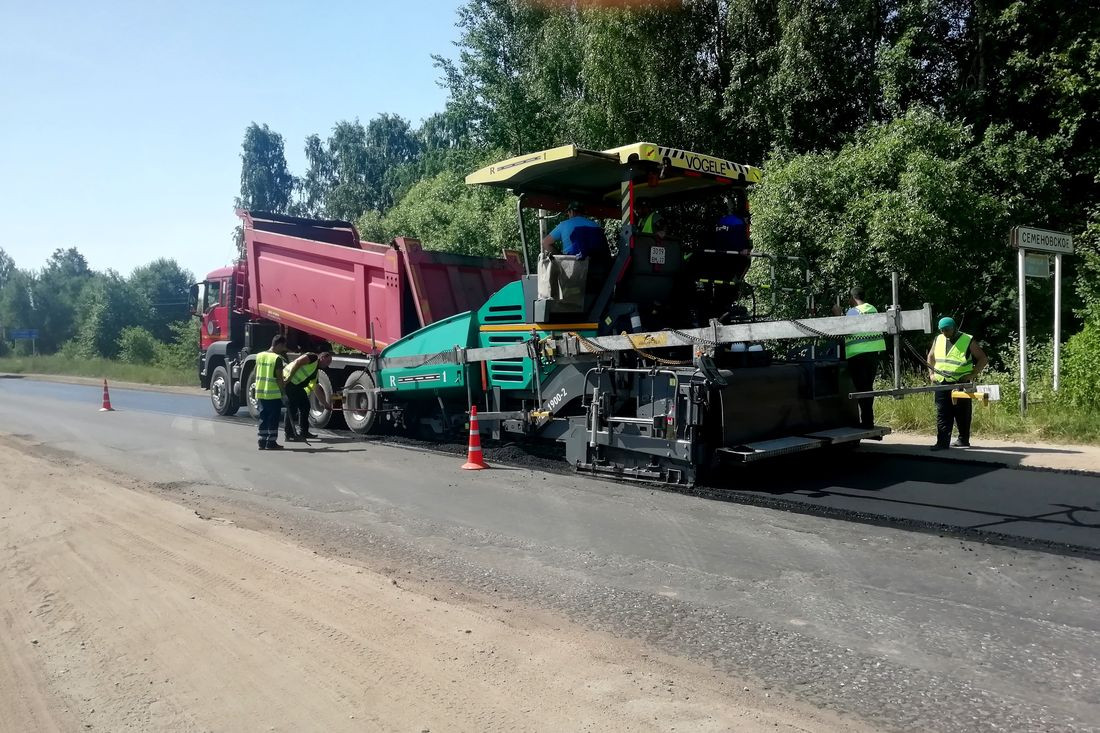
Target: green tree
point(108, 305)
point(489, 82)
point(921, 196)
point(7, 267)
point(312, 188)
point(393, 149)
point(352, 190)
point(266, 183)
point(54, 296)
point(446, 214)
point(1088, 279)
point(17, 301)
point(164, 286)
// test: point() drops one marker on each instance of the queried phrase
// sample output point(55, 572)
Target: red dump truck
point(324, 287)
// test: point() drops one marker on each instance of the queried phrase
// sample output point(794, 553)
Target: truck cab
point(210, 304)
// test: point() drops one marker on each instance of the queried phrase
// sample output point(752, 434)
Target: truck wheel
point(250, 396)
point(221, 394)
point(320, 416)
point(361, 403)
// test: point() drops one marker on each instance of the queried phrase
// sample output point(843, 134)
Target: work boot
point(939, 446)
point(960, 443)
point(293, 439)
point(263, 447)
point(308, 435)
point(274, 446)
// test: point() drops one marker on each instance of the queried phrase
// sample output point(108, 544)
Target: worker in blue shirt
point(580, 236)
point(731, 233)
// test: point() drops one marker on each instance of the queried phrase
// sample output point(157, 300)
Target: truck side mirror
point(195, 297)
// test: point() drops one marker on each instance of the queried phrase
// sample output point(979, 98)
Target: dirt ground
point(123, 611)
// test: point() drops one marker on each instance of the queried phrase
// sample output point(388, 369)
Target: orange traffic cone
point(106, 399)
point(474, 459)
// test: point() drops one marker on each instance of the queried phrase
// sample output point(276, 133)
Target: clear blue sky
point(121, 122)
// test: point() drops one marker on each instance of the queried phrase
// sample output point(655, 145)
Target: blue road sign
point(24, 334)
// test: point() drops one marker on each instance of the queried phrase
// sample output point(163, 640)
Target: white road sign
point(1042, 240)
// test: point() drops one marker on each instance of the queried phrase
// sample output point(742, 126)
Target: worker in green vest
point(954, 357)
point(269, 392)
point(300, 377)
point(862, 351)
point(654, 224)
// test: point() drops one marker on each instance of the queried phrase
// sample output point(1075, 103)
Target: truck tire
point(361, 403)
point(320, 416)
point(222, 398)
point(250, 396)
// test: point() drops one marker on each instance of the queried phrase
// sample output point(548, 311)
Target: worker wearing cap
point(862, 351)
point(269, 392)
point(579, 236)
point(955, 357)
point(300, 377)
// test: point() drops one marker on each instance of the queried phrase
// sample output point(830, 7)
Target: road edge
point(97, 381)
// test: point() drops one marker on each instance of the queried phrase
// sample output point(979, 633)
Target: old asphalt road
point(907, 630)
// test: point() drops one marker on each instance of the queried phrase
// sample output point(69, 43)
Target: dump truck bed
point(320, 278)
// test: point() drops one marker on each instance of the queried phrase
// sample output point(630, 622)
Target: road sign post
point(1021, 276)
point(1030, 239)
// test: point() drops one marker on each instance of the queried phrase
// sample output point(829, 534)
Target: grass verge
point(99, 369)
point(1049, 421)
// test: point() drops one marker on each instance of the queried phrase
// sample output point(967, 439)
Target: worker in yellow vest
point(300, 377)
point(955, 357)
point(862, 351)
point(269, 392)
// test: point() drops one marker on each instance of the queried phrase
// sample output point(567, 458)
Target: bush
point(183, 352)
point(1081, 369)
point(137, 346)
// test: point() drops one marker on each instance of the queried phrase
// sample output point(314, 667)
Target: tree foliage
point(108, 306)
point(266, 183)
point(921, 196)
point(163, 284)
point(446, 214)
point(896, 134)
point(1080, 376)
point(7, 267)
point(93, 313)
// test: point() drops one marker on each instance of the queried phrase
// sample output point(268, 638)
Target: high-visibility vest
point(647, 223)
point(955, 363)
point(864, 343)
point(267, 388)
point(307, 373)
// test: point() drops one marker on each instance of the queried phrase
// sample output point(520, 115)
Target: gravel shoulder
point(121, 610)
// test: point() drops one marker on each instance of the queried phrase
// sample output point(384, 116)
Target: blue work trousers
point(270, 413)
